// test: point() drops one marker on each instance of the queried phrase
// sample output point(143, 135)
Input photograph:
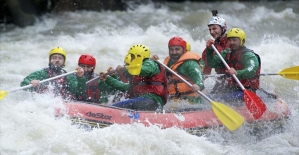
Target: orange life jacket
point(176, 87)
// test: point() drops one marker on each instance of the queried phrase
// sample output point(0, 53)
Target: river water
point(27, 122)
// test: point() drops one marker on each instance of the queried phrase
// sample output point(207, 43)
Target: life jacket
point(220, 45)
point(123, 76)
point(93, 93)
point(234, 61)
point(156, 84)
point(176, 87)
point(60, 86)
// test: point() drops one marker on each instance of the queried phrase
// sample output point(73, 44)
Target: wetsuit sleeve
point(37, 75)
point(214, 61)
point(251, 64)
point(149, 68)
point(76, 84)
point(116, 84)
point(191, 70)
point(103, 87)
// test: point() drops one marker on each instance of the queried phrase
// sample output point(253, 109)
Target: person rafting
point(147, 86)
point(66, 87)
point(243, 62)
point(96, 90)
point(186, 64)
point(217, 27)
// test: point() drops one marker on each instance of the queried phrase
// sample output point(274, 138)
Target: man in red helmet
point(96, 90)
point(187, 65)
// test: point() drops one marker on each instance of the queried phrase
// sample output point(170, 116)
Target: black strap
point(150, 83)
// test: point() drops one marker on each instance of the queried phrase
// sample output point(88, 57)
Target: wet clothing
point(246, 63)
point(220, 45)
point(149, 79)
point(96, 91)
point(188, 67)
point(67, 87)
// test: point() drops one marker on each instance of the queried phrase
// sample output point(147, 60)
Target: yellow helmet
point(133, 60)
point(141, 50)
point(188, 46)
point(58, 50)
point(238, 33)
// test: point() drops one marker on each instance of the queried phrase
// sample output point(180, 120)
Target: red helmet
point(178, 41)
point(87, 59)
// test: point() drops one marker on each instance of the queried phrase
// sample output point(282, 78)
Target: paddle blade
point(290, 73)
point(228, 116)
point(3, 94)
point(254, 104)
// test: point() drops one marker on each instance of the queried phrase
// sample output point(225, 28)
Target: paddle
point(96, 77)
point(254, 104)
point(290, 73)
point(4, 93)
point(229, 117)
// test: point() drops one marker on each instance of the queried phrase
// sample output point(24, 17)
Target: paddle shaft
point(189, 84)
point(226, 65)
point(46, 80)
point(108, 73)
point(262, 74)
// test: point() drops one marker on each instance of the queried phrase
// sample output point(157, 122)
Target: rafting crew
point(68, 87)
point(188, 65)
point(243, 62)
point(147, 84)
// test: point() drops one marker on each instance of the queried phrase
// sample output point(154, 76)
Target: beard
point(175, 57)
point(57, 69)
point(87, 75)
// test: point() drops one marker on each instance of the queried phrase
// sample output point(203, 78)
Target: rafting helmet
point(58, 50)
point(140, 50)
point(178, 41)
point(238, 33)
point(217, 20)
point(188, 47)
point(87, 59)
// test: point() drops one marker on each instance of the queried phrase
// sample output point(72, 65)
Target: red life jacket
point(221, 45)
point(60, 86)
point(156, 84)
point(234, 60)
point(93, 93)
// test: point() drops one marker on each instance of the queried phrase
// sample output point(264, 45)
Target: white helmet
point(217, 20)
